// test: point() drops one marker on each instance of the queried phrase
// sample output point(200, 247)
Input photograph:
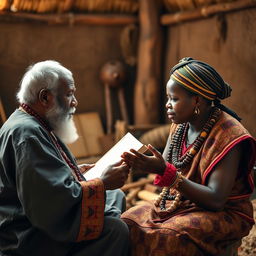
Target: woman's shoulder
point(229, 126)
point(225, 134)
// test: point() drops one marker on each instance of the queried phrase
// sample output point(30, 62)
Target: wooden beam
point(70, 18)
point(207, 11)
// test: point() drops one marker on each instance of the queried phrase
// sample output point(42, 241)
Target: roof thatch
point(59, 6)
point(98, 6)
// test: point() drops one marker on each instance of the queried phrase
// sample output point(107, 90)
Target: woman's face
point(180, 104)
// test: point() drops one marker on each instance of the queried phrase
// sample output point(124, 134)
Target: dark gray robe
point(44, 210)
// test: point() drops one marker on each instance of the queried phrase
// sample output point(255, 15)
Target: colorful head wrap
point(200, 78)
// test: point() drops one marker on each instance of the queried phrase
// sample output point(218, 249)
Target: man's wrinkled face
point(66, 97)
point(60, 116)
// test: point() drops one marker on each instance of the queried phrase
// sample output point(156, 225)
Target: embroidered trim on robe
point(92, 215)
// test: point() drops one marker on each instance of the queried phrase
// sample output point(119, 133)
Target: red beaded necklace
point(73, 167)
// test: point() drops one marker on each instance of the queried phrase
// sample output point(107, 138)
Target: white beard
point(62, 123)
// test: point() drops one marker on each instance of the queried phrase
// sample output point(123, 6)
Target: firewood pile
point(140, 191)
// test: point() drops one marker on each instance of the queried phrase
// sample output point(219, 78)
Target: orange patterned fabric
point(93, 204)
point(191, 230)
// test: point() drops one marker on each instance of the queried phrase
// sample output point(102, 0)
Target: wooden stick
point(136, 184)
point(108, 103)
point(132, 194)
point(147, 196)
point(169, 19)
point(151, 188)
point(123, 109)
point(70, 18)
point(110, 19)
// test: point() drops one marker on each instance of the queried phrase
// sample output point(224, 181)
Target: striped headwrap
point(200, 78)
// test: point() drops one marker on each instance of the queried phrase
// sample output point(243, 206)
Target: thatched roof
point(98, 6)
point(59, 6)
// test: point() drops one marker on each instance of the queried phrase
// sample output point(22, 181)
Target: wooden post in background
point(148, 82)
point(3, 117)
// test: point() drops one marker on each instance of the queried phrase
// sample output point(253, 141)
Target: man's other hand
point(115, 175)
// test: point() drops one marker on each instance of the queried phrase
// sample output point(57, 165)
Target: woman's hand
point(151, 164)
point(85, 167)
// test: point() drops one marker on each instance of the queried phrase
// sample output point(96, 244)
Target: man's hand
point(154, 163)
point(85, 167)
point(114, 176)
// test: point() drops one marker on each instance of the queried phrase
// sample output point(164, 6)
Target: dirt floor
point(248, 247)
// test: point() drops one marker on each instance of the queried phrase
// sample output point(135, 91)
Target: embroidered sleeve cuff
point(93, 204)
point(167, 178)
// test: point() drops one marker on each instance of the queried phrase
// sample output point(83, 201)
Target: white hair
point(42, 75)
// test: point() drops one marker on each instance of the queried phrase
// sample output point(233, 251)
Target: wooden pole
point(108, 104)
point(70, 18)
point(207, 11)
point(123, 109)
point(148, 81)
point(2, 112)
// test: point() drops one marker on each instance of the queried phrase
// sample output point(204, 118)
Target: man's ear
point(43, 97)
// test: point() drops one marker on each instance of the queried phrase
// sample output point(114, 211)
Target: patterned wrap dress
point(192, 230)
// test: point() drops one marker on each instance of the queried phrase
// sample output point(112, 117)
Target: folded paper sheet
point(114, 155)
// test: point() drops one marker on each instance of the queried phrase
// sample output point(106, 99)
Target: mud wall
point(228, 43)
point(83, 49)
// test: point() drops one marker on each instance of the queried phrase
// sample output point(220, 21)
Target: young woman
point(205, 172)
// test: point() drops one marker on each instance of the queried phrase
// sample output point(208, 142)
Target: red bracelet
point(169, 176)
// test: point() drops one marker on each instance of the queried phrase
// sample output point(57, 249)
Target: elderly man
point(46, 206)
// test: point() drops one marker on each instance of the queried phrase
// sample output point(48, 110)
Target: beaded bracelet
point(161, 200)
point(177, 181)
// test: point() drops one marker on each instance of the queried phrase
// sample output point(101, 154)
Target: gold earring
point(197, 110)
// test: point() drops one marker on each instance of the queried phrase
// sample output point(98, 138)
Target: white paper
point(114, 155)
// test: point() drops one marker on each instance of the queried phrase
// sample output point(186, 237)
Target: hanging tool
point(113, 75)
